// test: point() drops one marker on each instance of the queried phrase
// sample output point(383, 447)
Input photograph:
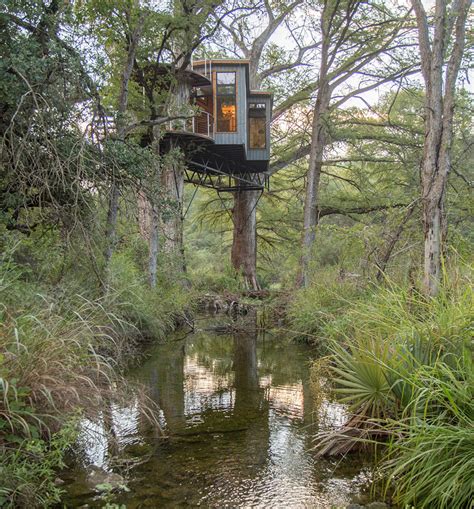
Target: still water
point(240, 415)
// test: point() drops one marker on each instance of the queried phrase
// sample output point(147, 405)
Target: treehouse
point(227, 141)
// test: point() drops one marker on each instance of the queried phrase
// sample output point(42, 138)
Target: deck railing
point(202, 123)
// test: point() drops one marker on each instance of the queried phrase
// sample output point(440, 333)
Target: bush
point(406, 366)
point(28, 469)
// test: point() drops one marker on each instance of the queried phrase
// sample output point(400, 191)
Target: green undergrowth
point(63, 348)
point(403, 363)
point(320, 310)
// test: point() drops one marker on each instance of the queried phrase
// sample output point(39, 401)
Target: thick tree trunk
point(172, 185)
point(244, 243)
point(244, 213)
point(432, 265)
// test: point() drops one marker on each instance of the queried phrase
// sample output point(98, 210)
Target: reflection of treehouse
point(227, 143)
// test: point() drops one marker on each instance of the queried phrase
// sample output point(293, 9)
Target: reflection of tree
point(286, 363)
point(246, 373)
point(109, 429)
point(166, 376)
point(250, 404)
point(213, 352)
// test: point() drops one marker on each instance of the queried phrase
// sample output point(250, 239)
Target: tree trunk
point(153, 244)
point(244, 213)
point(172, 183)
point(439, 111)
point(311, 205)
point(244, 243)
point(319, 139)
point(111, 225)
point(122, 105)
point(144, 216)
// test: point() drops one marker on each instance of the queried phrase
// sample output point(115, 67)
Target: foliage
point(152, 312)
point(61, 353)
point(319, 310)
point(28, 469)
point(432, 458)
point(405, 364)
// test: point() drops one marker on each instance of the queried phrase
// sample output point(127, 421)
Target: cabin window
point(226, 102)
point(257, 125)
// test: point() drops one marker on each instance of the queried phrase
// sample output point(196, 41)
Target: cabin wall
point(241, 137)
point(261, 154)
point(237, 138)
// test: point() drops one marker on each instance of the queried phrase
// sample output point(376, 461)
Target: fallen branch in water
point(359, 431)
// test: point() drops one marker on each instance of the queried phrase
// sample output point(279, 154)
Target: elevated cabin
point(230, 136)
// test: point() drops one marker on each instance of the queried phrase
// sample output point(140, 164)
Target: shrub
point(406, 367)
point(28, 469)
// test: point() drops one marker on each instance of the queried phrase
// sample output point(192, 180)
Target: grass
point(61, 358)
point(403, 365)
point(431, 457)
point(319, 311)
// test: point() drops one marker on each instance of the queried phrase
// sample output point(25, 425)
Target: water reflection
point(241, 417)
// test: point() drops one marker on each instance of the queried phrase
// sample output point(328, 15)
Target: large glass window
point(226, 105)
point(257, 125)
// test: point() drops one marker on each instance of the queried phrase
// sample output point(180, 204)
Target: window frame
point(264, 116)
point(216, 95)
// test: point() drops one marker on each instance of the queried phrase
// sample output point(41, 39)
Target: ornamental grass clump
point(430, 462)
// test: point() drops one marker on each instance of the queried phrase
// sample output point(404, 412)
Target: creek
point(240, 415)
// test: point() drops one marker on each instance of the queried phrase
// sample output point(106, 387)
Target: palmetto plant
point(406, 373)
point(361, 379)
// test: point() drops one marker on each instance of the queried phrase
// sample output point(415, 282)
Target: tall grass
point(404, 367)
point(61, 355)
point(431, 458)
point(320, 310)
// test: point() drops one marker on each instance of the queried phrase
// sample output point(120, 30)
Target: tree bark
point(244, 243)
point(311, 207)
point(172, 184)
point(144, 216)
point(244, 213)
point(153, 244)
point(439, 111)
point(319, 138)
